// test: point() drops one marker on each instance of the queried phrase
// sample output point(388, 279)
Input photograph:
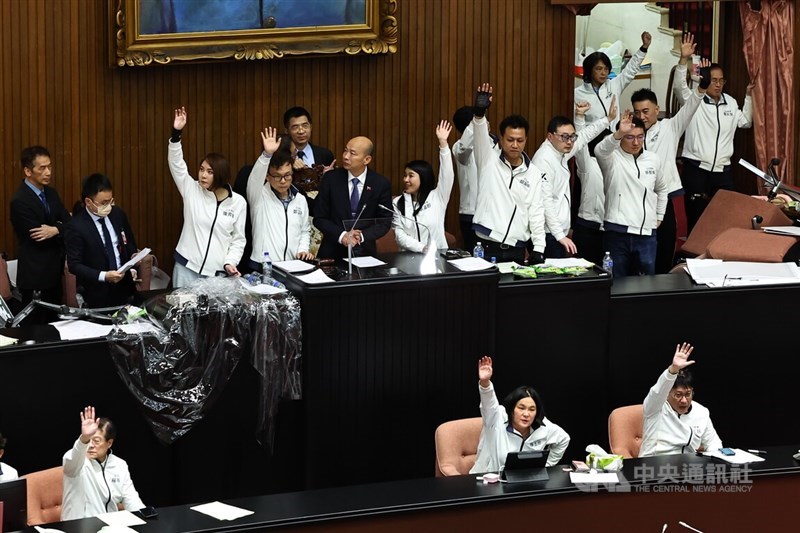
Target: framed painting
point(146, 32)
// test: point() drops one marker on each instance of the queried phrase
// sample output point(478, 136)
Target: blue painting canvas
point(188, 16)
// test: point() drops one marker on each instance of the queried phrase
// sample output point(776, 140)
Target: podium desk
point(763, 498)
point(745, 347)
point(386, 359)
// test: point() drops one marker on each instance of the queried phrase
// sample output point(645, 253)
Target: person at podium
point(516, 425)
point(673, 423)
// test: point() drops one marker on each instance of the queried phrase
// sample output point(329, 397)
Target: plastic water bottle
point(494, 260)
point(608, 264)
point(266, 266)
point(478, 250)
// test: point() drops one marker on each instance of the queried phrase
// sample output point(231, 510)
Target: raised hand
point(688, 46)
point(329, 167)
point(443, 132)
point(646, 39)
point(581, 108)
point(89, 424)
point(681, 358)
point(483, 99)
point(271, 141)
point(612, 110)
point(625, 124)
point(485, 370)
point(180, 118)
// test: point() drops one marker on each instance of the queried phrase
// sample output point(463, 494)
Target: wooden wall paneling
point(59, 92)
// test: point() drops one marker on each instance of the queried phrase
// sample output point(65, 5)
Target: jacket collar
point(708, 100)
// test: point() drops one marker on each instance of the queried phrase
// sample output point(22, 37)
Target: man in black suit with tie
point(99, 241)
point(37, 216)
point(345, 194)
point(297, 121)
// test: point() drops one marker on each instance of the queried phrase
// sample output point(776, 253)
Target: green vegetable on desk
point(526, 272)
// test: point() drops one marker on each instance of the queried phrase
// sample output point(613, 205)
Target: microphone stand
point(62, 310)
point(350, 245)
point(428, 265)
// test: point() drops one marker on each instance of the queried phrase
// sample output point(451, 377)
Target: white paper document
point(121, 518)
point(84, 329)
point(740, 457)
point(792, 231)
point(261, 288)
point(318, 276)
point(471, 264)
point(366, 261)
point(593, 477)
point(715, 273)
point(295, 265)
point(221, 511)
point(568, 262)
point(135, 259)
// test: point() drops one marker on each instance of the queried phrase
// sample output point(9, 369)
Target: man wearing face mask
point(99, 240)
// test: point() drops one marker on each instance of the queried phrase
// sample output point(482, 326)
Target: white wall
point(626, 22)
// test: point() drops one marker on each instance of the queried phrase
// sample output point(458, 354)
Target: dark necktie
point(43, 198)
point(354, 198)
point(109, 246)
point(300, 154)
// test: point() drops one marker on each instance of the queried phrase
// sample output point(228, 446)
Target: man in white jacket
point(708, 146)
point(672, 422)
point(662, 137)
point(552, 158)
point(95, 481)
point(510, 210)
point(279, 212)
point(636, 198)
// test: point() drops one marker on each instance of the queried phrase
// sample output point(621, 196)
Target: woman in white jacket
point(518, 425)
point(212, 240)
point(420, 209)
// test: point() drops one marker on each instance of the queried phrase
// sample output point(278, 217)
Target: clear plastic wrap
point(178, 371)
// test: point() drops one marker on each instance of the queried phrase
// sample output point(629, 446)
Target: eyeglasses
point(681, 395)
point(103, 204)
point(718, 81)
point(631, 138)
point(566, 137)
point(285, 177)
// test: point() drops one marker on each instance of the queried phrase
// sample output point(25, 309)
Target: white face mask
point(103, 210)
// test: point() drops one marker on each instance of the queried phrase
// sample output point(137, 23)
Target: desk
point(463, 504)
point(385, 361)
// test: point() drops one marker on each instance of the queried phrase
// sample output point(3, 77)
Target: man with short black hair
point(672, 422)
point(510, 209)
point(297, 121)
point(37, 216)
point(636, 198)
point(99, 240)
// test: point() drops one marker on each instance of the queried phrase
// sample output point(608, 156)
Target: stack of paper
point(471, 264)
point(295, 265)
point(569, 262)
point(718, 273)
point(221, 511)
point(739, 457)
point(792, 231)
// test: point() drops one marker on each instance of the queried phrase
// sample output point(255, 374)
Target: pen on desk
point(687, 526)
point(757, 451)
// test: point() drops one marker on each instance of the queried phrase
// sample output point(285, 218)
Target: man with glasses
point(99, 240)
point(708, 146)
point(672, 422)
point(552, 158)
point(37, 216)
point(278, 211)
point(636, 197)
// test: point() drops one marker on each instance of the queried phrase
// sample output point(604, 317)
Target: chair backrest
point(70, 293)
point(728, 209)
point(45, 489)
point(625, 430)
point(145, 272)
point(387, 244)
point(457, 446)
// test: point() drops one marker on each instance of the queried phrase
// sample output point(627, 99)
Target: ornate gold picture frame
point(146, 32)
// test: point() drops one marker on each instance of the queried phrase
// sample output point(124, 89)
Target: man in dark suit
point(345, 194)
point(37, 216)
point(99, 241)
point(297, 121)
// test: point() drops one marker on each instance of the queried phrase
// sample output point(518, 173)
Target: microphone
point(428, 265)
point(772, 164)
point(415, 221)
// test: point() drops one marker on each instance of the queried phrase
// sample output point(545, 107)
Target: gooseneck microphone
point(777, 183)
point(415, 221)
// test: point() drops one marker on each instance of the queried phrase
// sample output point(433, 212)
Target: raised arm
point(745, 116)
point(634, 65)
point(177, 166)
point(255, 183)
point(587, 133)
point(481, 142)
point(447, 173)
point(658, 393)
point(74, 458)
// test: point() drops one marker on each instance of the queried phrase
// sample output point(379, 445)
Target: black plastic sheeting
point(180, 370)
